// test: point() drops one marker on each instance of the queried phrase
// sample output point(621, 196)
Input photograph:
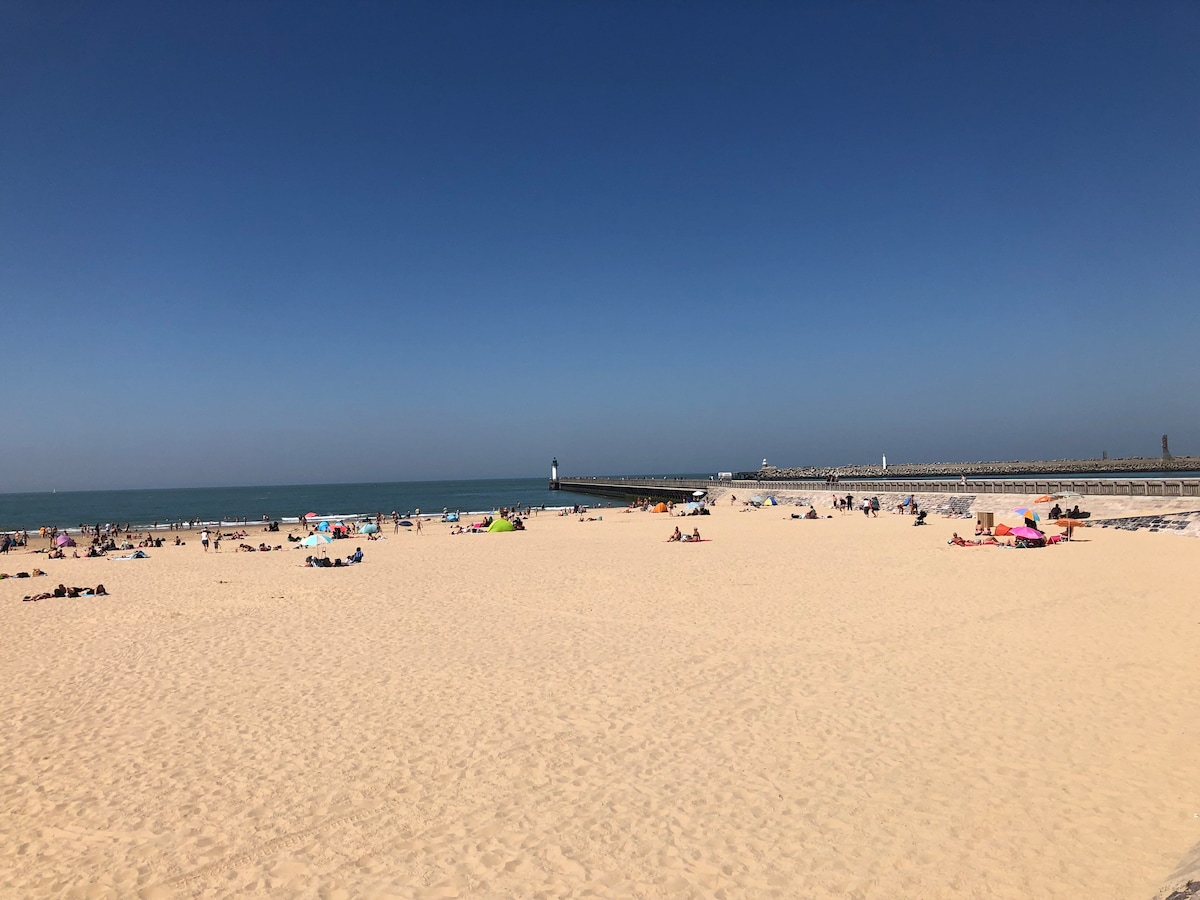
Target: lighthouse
point(554, 474)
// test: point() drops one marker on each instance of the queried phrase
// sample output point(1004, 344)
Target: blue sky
point(252, 243)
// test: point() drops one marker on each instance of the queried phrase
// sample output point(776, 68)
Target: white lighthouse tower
point(554, 474)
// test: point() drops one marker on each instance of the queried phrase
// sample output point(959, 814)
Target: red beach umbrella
point(310, 515)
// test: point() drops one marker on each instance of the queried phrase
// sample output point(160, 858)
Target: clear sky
point(248, 243)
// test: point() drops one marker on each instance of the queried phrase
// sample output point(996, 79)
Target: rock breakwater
point(981, 469)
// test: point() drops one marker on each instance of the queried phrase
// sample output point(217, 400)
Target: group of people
point(64, 591)
point(685, 538)
point(989, 540)
point(868, 505)
point(1057, 512)
point(321, 562)
point(16, 539)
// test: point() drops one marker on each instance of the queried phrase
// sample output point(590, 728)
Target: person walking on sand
point(204, 539)
point(418, 526)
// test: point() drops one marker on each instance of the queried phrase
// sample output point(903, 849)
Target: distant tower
point(764, 465)
point(885, 462)
point(554, 474)
point(1166, 450)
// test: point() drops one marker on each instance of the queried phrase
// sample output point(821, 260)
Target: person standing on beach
point(418, 526)
point(204, 539)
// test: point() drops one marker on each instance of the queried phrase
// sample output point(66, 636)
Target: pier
point(682, 488)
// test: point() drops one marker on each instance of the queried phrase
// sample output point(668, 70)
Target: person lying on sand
point(63, 591)
point(960, 542)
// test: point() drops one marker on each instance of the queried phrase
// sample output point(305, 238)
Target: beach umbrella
point(316, 540)
point(340, 526)
point(1070, 525)
point(1045, 498)
point(1029, 534)
point(310, 515)
point(1029, 514)
point(699, 493)
point(369, 528)
point(1066, 495)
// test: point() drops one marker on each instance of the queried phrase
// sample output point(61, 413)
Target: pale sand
point(840, 708)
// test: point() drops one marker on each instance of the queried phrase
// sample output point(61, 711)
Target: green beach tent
point(501, 525)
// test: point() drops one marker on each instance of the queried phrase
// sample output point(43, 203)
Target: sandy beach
point(837, 708)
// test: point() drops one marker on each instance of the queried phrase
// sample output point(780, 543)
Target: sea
point(67, 510)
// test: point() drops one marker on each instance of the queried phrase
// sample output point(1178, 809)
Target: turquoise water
point(144, 507)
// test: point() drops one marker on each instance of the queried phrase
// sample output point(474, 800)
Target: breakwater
point(982, 469)
point(680, 488)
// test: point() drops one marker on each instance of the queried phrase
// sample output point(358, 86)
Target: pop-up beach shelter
point(501, 525)
point(369, 528)
point(64, 540)
point(660, 508)
point(324, 526)
point(770, 501)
